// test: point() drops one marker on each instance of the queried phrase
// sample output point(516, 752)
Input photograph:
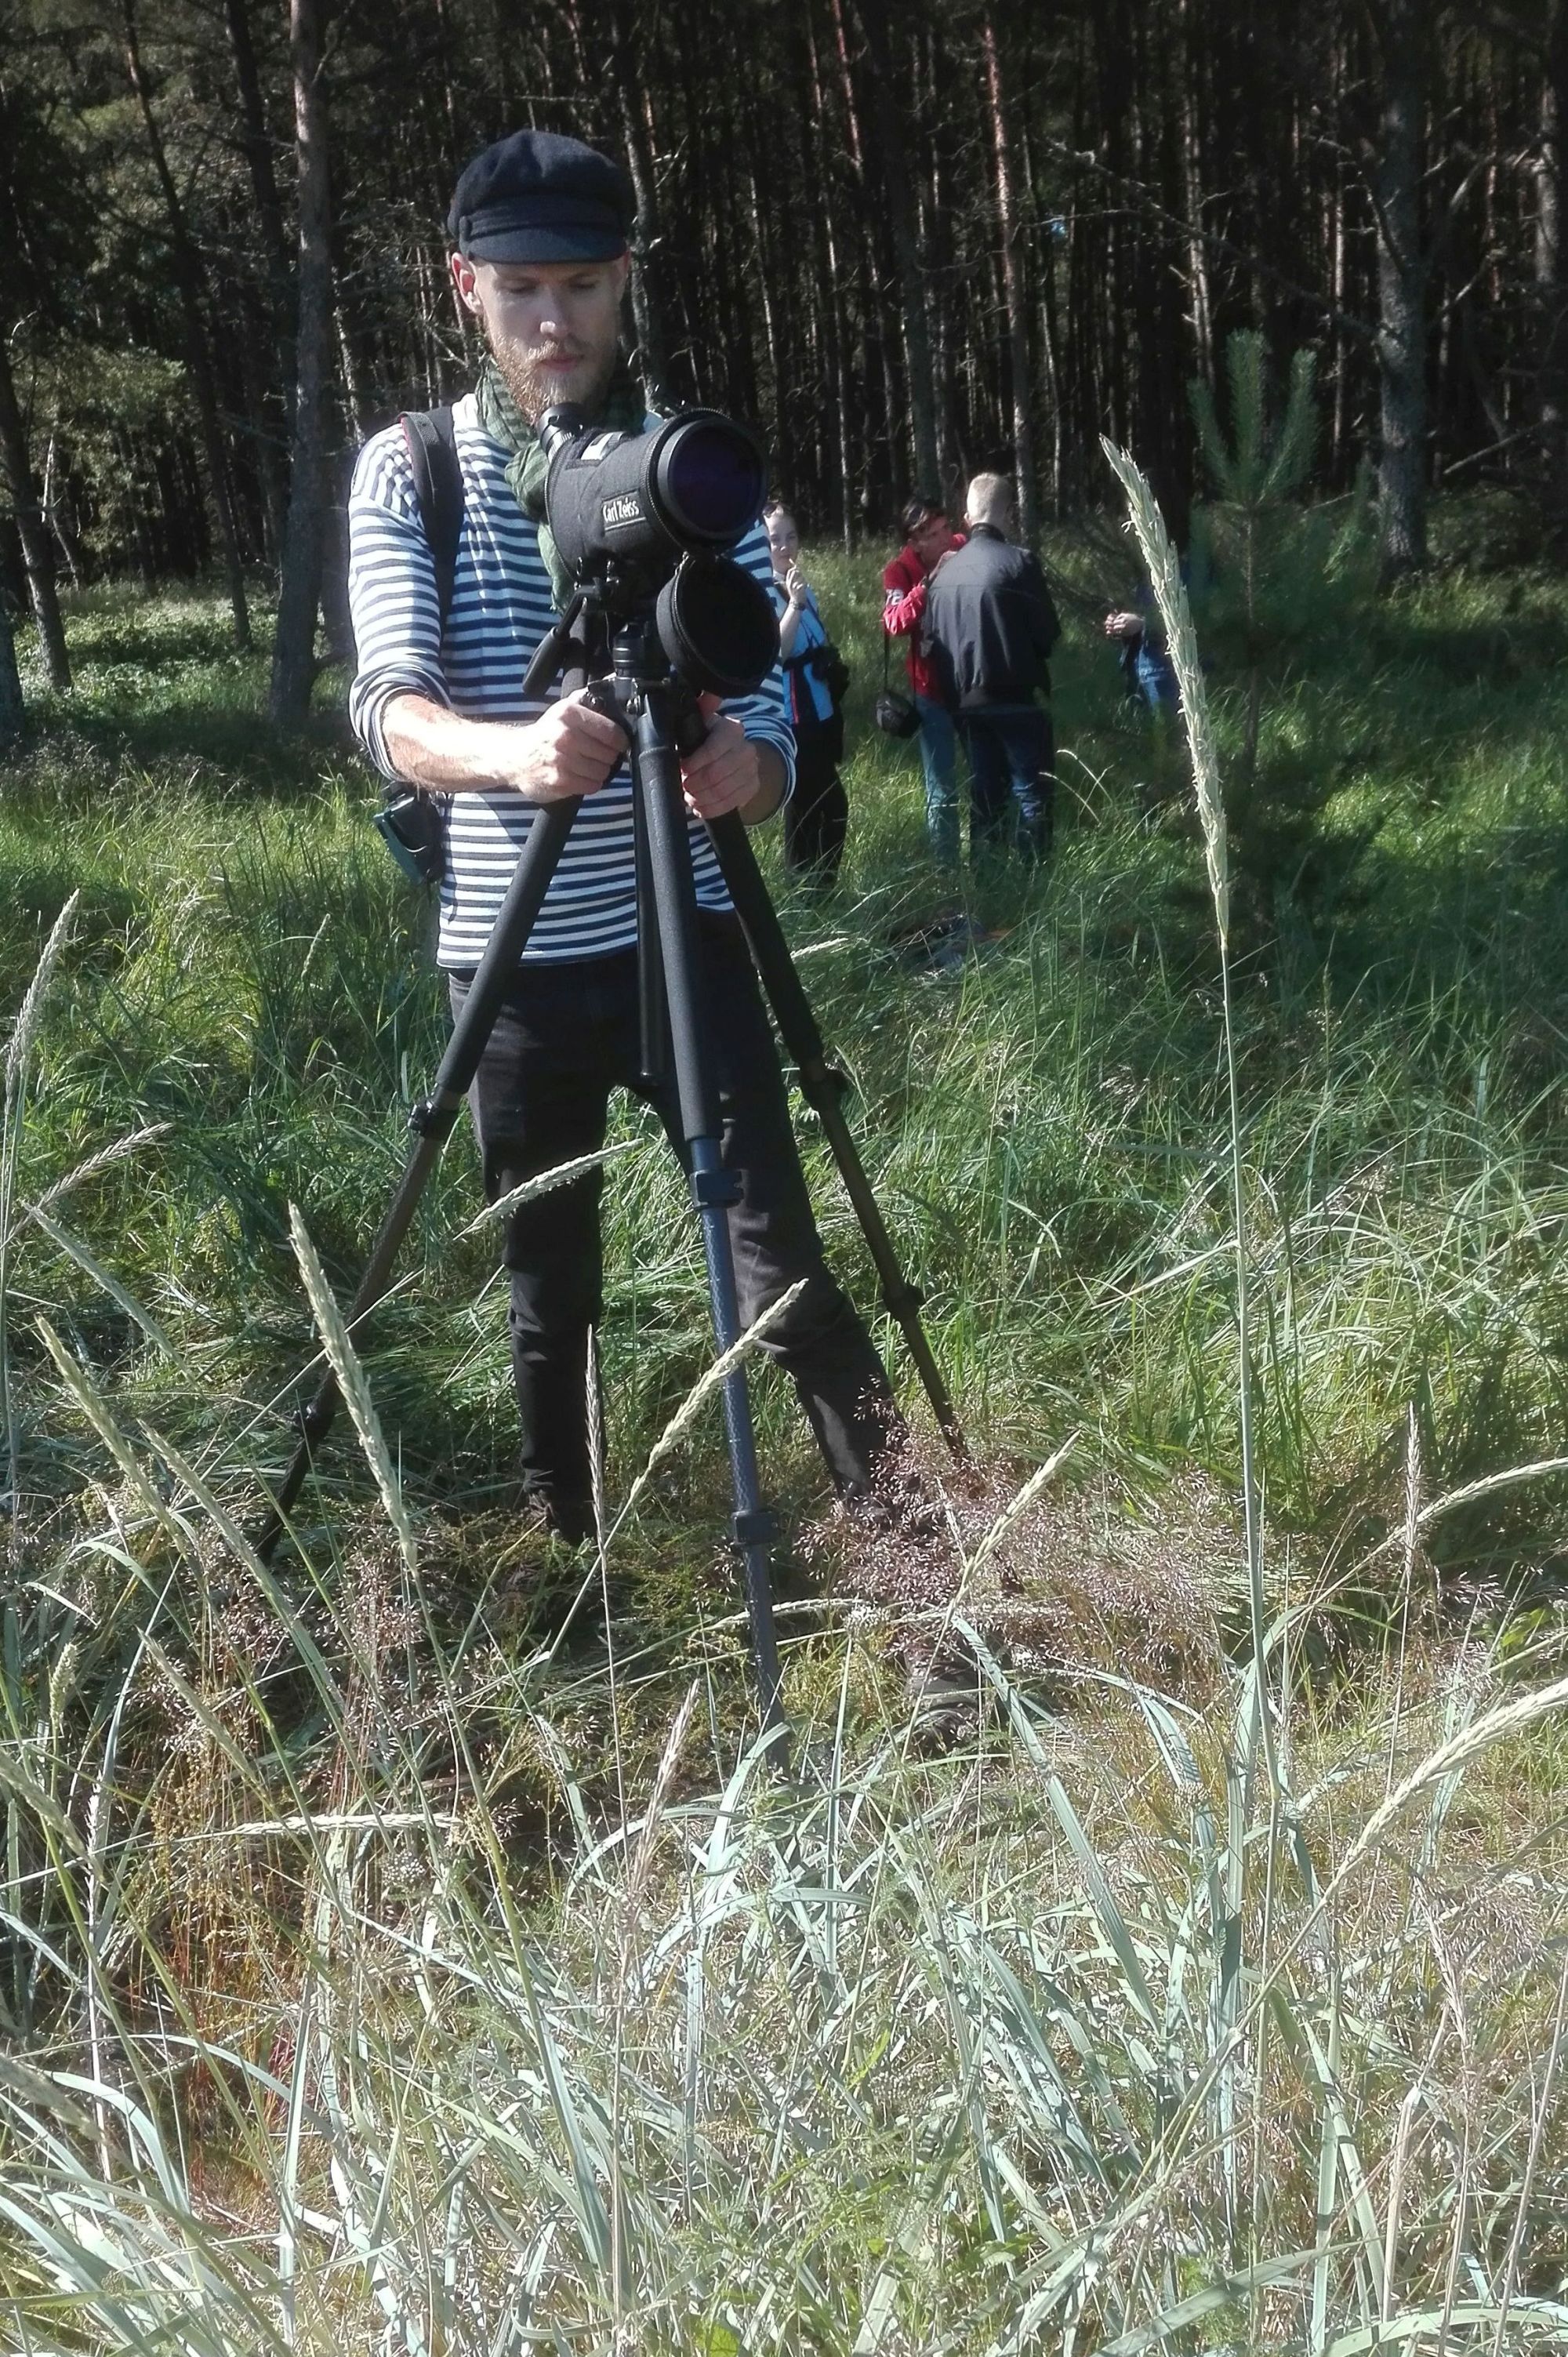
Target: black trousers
point(566, 1036)
point(816, 816)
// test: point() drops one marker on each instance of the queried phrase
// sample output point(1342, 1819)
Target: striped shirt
point(501, 608)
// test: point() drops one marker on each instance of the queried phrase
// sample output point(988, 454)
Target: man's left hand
point(724, 773)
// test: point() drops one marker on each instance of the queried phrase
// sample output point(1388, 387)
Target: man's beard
point(535, 389)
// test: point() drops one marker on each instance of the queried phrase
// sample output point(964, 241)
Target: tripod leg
point(652, 1014)
point(434, 1117)
point(657, 772)
point(823, 1085)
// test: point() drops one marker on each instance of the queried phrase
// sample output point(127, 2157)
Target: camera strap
point(438, 489)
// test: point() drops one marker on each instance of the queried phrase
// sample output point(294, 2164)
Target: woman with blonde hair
point(816, 816)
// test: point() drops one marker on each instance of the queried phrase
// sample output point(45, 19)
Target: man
point(538, 232)
point(991, 625)
point(928, 538)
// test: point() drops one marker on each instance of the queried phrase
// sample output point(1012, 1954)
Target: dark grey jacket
point(990, 623)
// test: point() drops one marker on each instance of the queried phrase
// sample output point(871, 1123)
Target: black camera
point(645, 517)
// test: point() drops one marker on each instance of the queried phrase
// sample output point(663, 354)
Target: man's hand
point(797, 587)
point(725, 772)
point(570, 751)
point(1124, 626)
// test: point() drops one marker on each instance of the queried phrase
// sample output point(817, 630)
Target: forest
point(1157, 1938)
point(905, 242)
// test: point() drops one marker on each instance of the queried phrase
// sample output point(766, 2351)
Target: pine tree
point(1279, 574)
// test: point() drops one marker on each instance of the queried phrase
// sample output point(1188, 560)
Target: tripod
point(657, 711)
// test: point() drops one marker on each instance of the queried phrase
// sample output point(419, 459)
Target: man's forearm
point(439, 749)
point(442, 751)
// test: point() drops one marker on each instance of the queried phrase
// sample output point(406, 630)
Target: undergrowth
point(1148, 1948)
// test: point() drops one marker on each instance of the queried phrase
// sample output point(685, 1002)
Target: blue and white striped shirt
point(501, 608)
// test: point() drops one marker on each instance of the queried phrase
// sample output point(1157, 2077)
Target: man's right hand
point(570, 751)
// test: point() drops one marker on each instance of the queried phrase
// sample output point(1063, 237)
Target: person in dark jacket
point(991, 627)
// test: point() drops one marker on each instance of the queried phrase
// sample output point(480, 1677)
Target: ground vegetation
point(1161, 1940)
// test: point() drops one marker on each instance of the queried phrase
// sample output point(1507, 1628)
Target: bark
point(892, 167)
point(271, 365)
point(1551, 293)
point(1403, 269)
point(256, 140)
point(294, 648)
point(1188, 54)
point(833, 276)
point(647, 307)
point(187, 273)
point(13, 718)
point(1014, 296)
point(58, 520)
point(32, 529)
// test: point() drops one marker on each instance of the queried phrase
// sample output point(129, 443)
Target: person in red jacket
point(927, 537)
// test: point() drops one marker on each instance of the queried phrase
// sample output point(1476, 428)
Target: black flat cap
point(538, 198)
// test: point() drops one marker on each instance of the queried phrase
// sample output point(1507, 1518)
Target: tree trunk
point(187, 279)
point(895, 169)
point(1188, 55)
point(13, 717)
point(1403, 264)
point(271, 366)
point(37, 554)
point(58, 520)
point(1013, 293)
point(294, 648)
point(1550, 292)
point(647, 311)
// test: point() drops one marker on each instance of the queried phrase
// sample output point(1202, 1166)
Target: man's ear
point(623, 272)
point(465, 282)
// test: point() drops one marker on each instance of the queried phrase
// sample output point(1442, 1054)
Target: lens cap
point(718, 626)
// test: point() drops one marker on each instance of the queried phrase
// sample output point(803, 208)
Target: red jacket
point(904, 588)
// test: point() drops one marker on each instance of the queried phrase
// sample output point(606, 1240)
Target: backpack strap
point(438, 488)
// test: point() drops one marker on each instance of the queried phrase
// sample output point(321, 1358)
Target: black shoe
point(570, 1520)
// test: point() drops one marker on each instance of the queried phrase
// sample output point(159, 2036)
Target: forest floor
point(385, 1968)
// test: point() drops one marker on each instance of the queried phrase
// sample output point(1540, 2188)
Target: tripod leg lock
point(715, 1190)
point(819, 1080)
point(431, 1118)
point(903, 1300)
point(757, 1528)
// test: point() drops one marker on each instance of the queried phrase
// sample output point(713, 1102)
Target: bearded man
point(538, 232)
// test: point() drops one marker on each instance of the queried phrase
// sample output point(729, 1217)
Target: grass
point(377, 1975)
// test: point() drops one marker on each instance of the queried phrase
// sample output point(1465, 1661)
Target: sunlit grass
point(367, 1981)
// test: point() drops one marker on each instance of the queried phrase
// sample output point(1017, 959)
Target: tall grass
point(378, 1973)
point(951, 2054)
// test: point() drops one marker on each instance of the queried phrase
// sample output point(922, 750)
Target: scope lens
point(717, 626)
point(710, 481)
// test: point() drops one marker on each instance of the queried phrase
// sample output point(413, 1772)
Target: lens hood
point(718, 626)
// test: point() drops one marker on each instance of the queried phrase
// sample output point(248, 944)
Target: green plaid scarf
point(621, 411)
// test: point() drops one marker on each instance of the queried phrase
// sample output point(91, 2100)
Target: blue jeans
point(1148, 671)
point(1012, 789)
point(939, 760)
